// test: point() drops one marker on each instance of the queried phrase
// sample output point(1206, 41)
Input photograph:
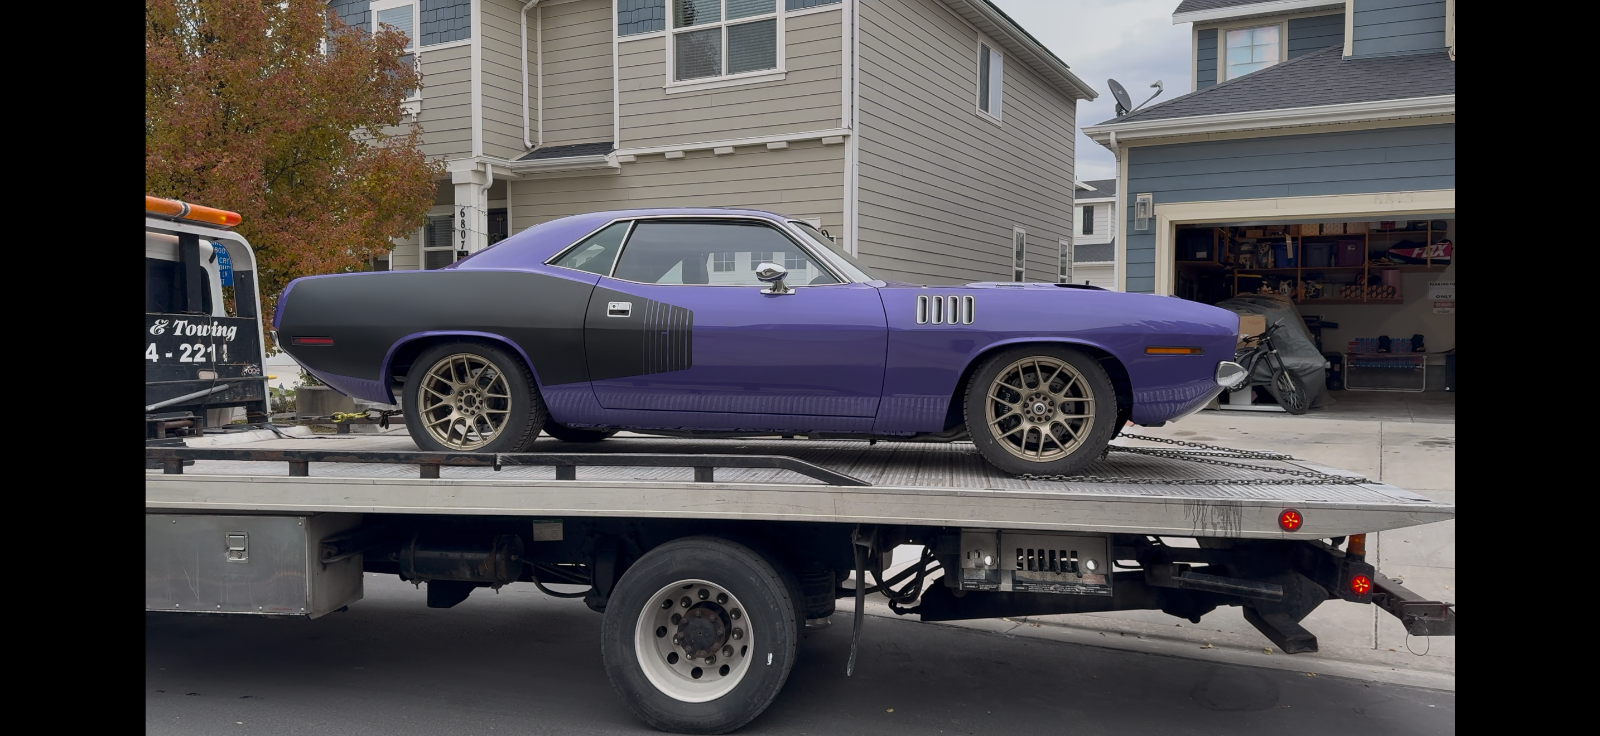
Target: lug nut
point(722, 598)
point(738, 634)
point(711, 659)
point(735, 613)
point(727, 651)
point(677, 619)
point(685, 602)
point(704, 594)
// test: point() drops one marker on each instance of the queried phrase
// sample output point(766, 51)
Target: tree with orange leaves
point(285, 114)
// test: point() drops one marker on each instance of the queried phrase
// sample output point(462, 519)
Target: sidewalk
point(1354, 640)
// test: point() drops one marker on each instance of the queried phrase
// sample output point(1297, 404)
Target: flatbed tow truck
point(707, 557)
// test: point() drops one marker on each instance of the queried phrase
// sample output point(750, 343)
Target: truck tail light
point(1361, 585)
point(1290, 520)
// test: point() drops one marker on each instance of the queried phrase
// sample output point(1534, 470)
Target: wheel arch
point(405, 350)
point(955, 414)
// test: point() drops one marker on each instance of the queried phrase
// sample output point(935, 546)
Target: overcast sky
point(1131, 41)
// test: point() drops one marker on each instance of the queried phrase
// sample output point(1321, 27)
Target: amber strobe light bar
point(185, 211)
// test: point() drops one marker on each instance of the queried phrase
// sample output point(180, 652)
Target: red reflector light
point(1361, 584)
point(1290, 520)
point(312, 341)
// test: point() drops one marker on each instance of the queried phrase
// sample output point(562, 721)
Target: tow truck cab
point(203, 355)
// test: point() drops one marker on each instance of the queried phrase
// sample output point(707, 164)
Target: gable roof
point(1319, 78)
point(1103, 189)
point(993, 22)
point(598, 148)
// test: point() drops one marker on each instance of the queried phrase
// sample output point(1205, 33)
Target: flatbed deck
point(911, 483)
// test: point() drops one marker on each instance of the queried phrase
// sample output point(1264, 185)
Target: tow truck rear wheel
point(699, 635)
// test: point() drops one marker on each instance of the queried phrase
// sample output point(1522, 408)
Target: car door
point(683, 325)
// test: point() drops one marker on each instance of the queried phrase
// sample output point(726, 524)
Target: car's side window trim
point(564, 252)
point(821, 262)
point(632, 225)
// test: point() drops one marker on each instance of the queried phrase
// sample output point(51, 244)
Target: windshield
point(842, 260)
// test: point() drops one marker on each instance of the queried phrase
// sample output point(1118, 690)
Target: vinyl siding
point(808, 98)
point(806, 181)
point(577, 72)
point(1396, 26)
point(1205, 59)
point(446, 116)
point(501, 84)
point(1318, 32)
point(1410, 158)
point(940, 186)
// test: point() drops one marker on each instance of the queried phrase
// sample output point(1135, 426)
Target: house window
point(438, 243)
point(722, 262)
point(1088, 219)
point(401, 15)
point(759, 257)
point(1019, 248)
point(715, 38)
point(991, 80)
point(1064, 261)
point(640, 16)
point(1250, 49)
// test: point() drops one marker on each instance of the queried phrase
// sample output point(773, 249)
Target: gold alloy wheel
point(1040, 409)
point(464, 401)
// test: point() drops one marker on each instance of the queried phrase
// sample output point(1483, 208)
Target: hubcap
point(1040, 409)
point(694, 641)
point(464, 401)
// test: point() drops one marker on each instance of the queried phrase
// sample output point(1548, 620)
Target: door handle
point(619, 309)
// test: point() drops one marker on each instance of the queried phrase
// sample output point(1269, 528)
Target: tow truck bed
point(919, 484)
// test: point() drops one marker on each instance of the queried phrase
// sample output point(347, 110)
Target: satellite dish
point(1124, 102)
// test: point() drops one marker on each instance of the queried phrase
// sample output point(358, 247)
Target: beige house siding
point(806, 99)
point(501, 80)
point(940, 186)
point(577, 71)
point(446, 116)
point(804, 181)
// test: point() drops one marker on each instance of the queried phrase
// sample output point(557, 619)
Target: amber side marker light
point(186, 211)
point(1361, 585)
point(1173, 351)
point(312, 341)
point(1290, 520)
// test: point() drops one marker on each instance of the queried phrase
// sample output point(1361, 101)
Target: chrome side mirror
point(774, 274)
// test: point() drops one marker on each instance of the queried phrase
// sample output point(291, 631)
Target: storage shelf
point(1334, 302)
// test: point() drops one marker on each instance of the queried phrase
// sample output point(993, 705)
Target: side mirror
point(774, 274)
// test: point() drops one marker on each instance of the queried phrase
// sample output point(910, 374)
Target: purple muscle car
point(724, 321)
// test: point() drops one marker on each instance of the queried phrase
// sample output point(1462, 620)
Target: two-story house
point(931, 138)
point(1313, 158)
point(1094, 234)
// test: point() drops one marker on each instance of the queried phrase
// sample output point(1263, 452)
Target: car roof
point(537, 244)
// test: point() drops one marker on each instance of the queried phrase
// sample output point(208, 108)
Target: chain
point(1207, 458)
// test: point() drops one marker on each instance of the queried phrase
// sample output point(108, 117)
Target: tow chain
point(1302, 477)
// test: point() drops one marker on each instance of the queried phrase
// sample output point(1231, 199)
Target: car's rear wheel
point(570, 434)
point(471, 397)
point(699, 635)
point(1041, 409)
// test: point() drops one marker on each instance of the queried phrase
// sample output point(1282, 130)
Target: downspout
point(522, 20)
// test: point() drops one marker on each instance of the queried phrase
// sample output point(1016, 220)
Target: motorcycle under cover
point(1294, 342)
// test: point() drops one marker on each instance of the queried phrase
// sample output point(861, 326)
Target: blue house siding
point(1355, 162)
point(1396, 26)
point(1309, 34)
point(1205, 59)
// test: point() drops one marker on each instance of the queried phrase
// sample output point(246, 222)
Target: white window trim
point(1222, 44)
point(412, 105)
point(977, 97)
point(1019, 266)
point(671, 85)
point(1064, 263)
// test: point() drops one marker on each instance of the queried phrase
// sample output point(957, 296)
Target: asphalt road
point(521, 662)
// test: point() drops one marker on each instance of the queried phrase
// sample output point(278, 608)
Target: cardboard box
point(1332, 228)
point(1252, 324)
point(1355, 228)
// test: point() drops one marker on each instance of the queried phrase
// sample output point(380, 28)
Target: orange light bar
point(1173, 351)
point(185, 211)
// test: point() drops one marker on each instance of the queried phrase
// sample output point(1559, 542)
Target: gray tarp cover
point(1295, 345)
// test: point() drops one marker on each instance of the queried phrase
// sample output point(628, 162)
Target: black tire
point(570, 434)
point(1094, 437)
point(1289, 391)
point(759, 585)
point(525, 416)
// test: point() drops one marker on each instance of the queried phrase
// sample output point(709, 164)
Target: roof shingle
point(600, 148)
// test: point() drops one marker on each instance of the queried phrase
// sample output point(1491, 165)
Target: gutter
point(1113, 134)
point(1267, 7)
point(522, 20)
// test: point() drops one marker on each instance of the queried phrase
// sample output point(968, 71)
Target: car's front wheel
point(1041, 409)
point(471, 397)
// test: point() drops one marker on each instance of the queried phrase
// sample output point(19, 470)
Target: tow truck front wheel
point(699, 635)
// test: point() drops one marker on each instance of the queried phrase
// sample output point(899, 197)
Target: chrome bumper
point(1230, 374)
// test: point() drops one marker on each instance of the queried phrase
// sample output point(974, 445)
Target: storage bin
point(1350, 252)
point(1283, 255)
point(1317, 255)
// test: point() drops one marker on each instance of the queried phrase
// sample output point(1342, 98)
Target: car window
point(713, 253)
point(597, 252)
point(843, 260)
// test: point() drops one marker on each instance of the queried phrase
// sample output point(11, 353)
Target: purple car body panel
point(842, 358)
